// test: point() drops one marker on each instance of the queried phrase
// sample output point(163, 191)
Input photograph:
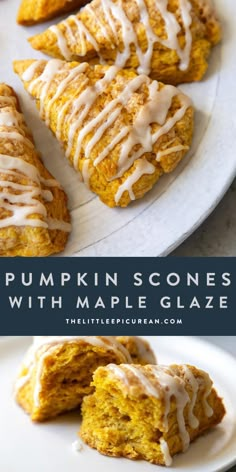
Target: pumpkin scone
point(170, 40)
point(34, 219)
point(57, 370)
point(149, 412)
point(120, 130)
point(37, 11)
point(139, 349)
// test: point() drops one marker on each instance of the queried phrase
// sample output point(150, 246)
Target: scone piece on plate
point(139, 349)
point(170, 40)
point(149, 412)
point(57, 371)
point(34, 219)
point(37, 11)
point(121, 131)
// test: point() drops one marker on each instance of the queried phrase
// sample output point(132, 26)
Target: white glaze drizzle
point(122, 28)
point(170, 150)
point(21, 200)
point(10, 118)
point(86, 172)
point(16, 135)
point(155, 110)
point(143, 167)
point(55, 224)
point(61, 41)
point(45, 79)
point(29, 73)
point(166, 452)
point(103, 30)
point(85, 101)
point(148, 388)
point(169, 385)
point(72, 74)
point(44, 346)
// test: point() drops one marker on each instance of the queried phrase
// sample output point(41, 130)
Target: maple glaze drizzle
point(115, 26)
point(133, 141)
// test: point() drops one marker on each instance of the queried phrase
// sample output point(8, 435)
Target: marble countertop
point(217, 235)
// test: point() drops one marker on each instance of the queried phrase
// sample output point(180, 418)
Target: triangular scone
point(168, 40)
point(57, 371)
point(34, 220)
point(37, 11)
point(149, 412)
point(120, 130)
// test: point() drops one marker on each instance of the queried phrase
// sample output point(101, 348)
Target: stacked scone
point(132, 408)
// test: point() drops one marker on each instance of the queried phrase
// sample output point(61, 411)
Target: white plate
point(27, 447)
point(179, 202)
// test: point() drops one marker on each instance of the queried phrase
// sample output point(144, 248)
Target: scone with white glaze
point(34, 218)
point(57, 370)
point(121, 131)
point(149, 412)
point(170, 40)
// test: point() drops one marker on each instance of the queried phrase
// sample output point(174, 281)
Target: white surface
point(27, 447)
point(179, 202)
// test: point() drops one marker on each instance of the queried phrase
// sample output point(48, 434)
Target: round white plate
point(179, 202)
point(27, 447)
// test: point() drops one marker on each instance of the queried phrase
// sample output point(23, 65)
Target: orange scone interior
point(149, 412)
point(169, 40)
point(34, 219)
point(121, 131)
point(57, 372)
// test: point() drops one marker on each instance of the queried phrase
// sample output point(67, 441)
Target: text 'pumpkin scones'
point(120, 130)
point(57, 370)
point(149, 412)
point(34, 219)
point(168, 40)
point(36, 11)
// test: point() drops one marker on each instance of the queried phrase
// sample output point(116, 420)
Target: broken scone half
point(34, 219)
point(170, 40)
point(149, 412)
point(37, 11)
point(120, 130)
point(57, 370)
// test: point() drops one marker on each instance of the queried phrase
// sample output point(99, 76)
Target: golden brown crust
point(205, 31)
point(121, 419)
point(28, 240)
point(38, 11)
point(103, 176)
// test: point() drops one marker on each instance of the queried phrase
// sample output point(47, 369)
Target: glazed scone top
point(165, 382)
point(119, 26)
point(23, 190)
point(151, 122)
point(118, 23)
point(45, 346)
